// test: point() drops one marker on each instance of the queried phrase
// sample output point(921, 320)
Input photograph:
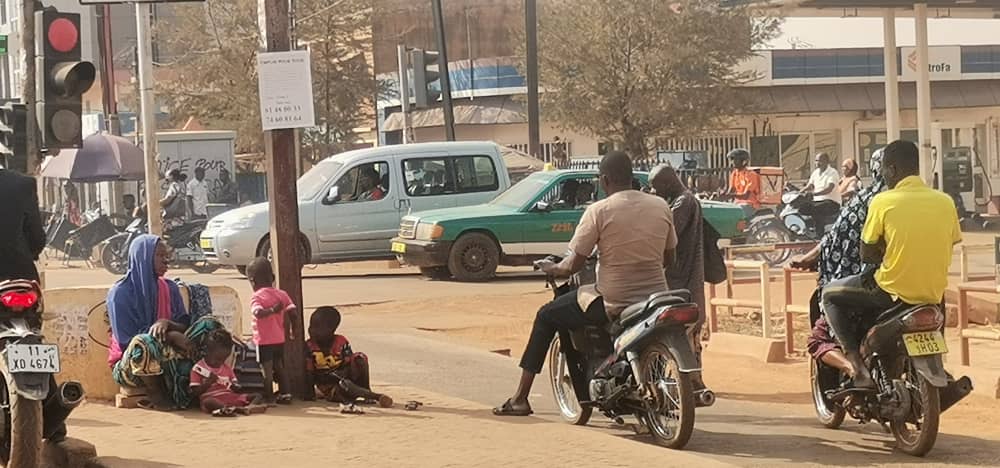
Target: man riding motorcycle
point(914, 254)
point(744, 184)
point(633, 233)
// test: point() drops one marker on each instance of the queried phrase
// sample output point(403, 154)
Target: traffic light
point(13, 137)
point(61, 79)
point(425, 73)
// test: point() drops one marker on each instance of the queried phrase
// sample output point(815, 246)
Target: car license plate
point(206, 243)
point(398, 247)
point(925, 343)
point(39, 358)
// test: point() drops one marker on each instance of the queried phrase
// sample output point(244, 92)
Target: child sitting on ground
point(340, 374)
point(271, 309)
point(214, 383)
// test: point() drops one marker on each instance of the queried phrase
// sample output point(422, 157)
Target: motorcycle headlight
point(429, 231)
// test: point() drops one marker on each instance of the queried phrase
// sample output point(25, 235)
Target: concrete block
point(765, 349)
point(70, 453)
point(985, 382)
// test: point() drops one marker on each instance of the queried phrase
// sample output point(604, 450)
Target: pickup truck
point(533, 219)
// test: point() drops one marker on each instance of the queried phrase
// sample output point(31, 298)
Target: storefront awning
point(871, 96)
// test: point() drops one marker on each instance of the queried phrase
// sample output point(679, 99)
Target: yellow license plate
point(398, 247)
point(925, 343)
point(206, 243)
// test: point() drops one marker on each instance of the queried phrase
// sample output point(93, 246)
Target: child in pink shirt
point(271, 309)
point(214, 383)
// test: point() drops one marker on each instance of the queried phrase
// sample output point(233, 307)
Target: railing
point(964, 252)
point(764, 304)
point(964, 332)
point(792, 309)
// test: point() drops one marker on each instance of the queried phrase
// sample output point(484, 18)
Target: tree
point(630, 71)
point(211, 69)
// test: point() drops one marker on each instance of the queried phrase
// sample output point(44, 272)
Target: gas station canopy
point(987, 9)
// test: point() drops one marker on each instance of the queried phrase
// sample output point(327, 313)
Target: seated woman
point(148, 318)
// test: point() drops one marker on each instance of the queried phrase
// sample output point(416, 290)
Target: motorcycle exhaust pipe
point(704, 398)
point(57, 407)
point(954, 392)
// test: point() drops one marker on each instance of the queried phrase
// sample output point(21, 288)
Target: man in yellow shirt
point(910, 231)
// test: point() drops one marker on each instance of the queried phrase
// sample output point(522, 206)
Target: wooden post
point(789, 328)
point(765, 299)
point(713, 320)
point(284, 206)
point(531, 75)
point(963, 318)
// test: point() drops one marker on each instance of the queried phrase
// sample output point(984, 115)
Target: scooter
point(33, 407)
point(183, 241)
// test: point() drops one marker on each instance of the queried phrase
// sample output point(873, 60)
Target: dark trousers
point(559, 316)
point(851, 302)
point(823, 212)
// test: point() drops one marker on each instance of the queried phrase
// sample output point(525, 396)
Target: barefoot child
point(340, 374)
point(214, 383)
point(271, 309)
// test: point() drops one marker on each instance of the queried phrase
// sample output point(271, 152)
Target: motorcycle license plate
point(35, 358)
point(925, 343)
point(398, 247)
point(206, 243)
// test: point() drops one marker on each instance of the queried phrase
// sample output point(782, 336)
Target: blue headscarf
point(132, 301)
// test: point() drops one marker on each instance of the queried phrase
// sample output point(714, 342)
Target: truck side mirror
point(331, 196)
point(541, 207)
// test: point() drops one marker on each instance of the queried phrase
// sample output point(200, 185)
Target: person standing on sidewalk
point(22, 237)
point(197, 193)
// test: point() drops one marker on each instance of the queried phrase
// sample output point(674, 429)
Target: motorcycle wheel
point(829, 414)
point(22, 428)
point(772, 233)
point(918, 433)
point(670, 413)
point(562, 388)
point(114, 256)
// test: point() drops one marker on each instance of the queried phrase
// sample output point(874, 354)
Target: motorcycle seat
point(636, 311)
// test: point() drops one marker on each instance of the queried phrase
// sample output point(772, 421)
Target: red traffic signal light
point(61, 78)
point(63, 35)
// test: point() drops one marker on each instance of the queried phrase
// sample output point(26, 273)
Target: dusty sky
point(828, 33)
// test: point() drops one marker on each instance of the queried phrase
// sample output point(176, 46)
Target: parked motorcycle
point(640, 365)
point(183, 241)
point(33, 407)
point(903, 351)
point(788, 223)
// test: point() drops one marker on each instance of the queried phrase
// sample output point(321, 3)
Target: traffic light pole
point(28, 95)
point(449, 111)
point(531, 46)
point(279, 146)
point(146, 101)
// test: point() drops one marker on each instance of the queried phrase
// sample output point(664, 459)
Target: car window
point(572, 193)
point(316, 178)
point(428, 176)
point(475, 174)
point(364, 182)
point(524, 191)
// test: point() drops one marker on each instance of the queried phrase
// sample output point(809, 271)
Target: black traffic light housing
point(13, 137)
point(61, 79)
point(425, 73)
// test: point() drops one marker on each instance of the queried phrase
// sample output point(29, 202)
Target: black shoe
point(862, 379)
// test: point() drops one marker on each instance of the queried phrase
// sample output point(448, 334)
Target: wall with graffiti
point(186, 151)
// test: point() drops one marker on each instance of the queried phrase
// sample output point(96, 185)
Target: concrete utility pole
point(284, 204)
point(449, 110)
point(531, 39)
point(404, 90)
point(28, 94)
point(147, 102)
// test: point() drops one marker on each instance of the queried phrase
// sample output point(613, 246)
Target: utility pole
point(28, 91)
point(449, 111)
point(404, 90)
point(107, 64)
point(147, 102)
point(284, 205)
point(531, 44)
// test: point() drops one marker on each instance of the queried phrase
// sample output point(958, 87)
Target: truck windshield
point(524, 191)
point(317, 179)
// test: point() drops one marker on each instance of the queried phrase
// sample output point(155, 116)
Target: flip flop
point(227, 412)
point(351, 409)
point(507, 409)
point(284, 399)
point(412, 405)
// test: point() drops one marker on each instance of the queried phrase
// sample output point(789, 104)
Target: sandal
point(148, 404)
point(508, 409)
point(412, 405)
point(283, 399)
point(227, 412)
point(351, 409)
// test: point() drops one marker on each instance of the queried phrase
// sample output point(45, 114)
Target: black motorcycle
point(184, 242)
point(791, 221)
point(903, 351)
point(640, 366)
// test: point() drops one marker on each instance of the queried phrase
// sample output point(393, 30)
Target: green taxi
point(533, 219)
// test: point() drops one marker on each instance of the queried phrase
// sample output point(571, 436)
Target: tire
point(656, 360)
point(562, 388)
point(435, 273)
point(829, 414)
point(265, 251)
point(927, 402)
point(474, 257)
point(114, 255)
point(772, 233)
point(22, 430)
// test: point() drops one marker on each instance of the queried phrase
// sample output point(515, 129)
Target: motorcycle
point(640, 365)
point(903, 351)
point(33, 407)
point(788, 223)
point(183, 240)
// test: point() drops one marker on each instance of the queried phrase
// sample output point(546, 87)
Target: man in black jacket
point(22, 236)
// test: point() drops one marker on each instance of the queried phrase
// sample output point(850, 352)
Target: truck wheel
point(265, 251)
point(474, 257)
point(435, 273)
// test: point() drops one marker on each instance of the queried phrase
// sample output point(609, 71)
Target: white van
point(350, 204)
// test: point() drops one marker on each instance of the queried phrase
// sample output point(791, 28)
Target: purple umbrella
point(103, 158)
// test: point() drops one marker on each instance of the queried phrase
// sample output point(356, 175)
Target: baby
point(214, 383)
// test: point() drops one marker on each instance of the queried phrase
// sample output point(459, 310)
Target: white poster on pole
point(285, 84)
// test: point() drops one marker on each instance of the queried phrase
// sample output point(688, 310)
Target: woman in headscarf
point(153, 343)
point(838, 255)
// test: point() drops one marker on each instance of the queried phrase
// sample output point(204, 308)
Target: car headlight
point(429, 231)
point(243, 222)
